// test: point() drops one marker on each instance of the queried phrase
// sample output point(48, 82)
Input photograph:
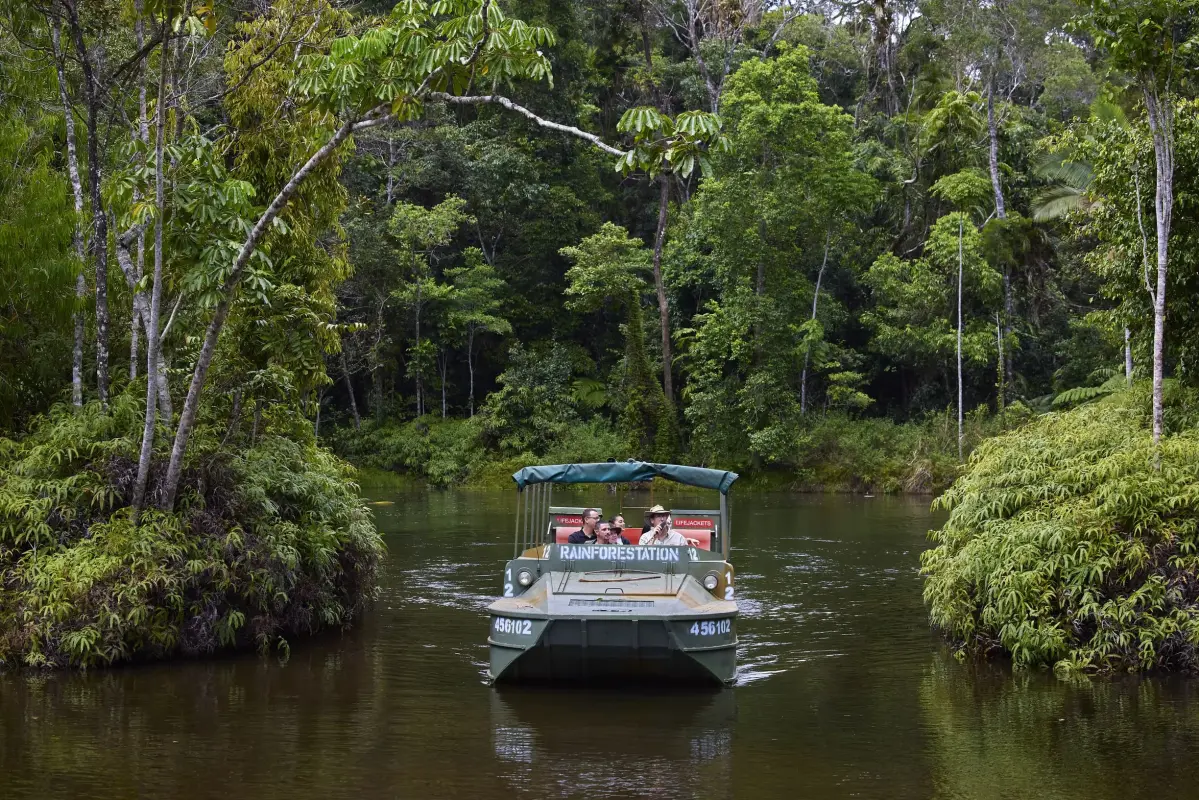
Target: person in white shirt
point(658, 531)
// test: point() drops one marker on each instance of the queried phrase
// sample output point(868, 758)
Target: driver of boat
point(586, 534)
point(658, 532)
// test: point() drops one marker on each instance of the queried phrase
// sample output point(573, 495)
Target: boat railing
point(532, 513)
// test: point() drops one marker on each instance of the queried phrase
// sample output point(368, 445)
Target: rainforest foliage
point(722, 234)
point(270, 540)
point(1073, 542)
point(831, 244)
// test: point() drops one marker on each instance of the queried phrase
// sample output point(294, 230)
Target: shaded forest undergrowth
point(269, 540)
point(833, 453)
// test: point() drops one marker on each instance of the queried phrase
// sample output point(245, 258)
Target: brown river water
point(842, 692)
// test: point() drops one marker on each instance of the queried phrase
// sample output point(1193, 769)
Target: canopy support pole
point(725, 532)
point(520, 496)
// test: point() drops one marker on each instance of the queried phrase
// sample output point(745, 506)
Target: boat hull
point(587, 649)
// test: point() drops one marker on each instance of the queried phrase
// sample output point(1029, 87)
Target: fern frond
point(589, 392)
point(1080, 394)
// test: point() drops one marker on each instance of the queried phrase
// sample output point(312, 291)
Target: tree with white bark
point(1153, 41)
point(477, 309)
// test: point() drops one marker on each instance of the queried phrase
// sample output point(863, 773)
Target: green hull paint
point(609, 649)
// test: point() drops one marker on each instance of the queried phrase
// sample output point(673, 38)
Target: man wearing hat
point(657, 530)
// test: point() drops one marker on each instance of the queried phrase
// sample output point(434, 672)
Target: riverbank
point(269, 541)
point(835, 453)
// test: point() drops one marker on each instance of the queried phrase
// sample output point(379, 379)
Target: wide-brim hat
point(656, 510)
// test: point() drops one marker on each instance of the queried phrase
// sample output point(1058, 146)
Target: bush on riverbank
point(1066, 547)
point(452, 452)
point(841, 453)
point(268, 542)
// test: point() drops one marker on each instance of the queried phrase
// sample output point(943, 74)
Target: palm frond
point(1060, 168)
point(1057, 201)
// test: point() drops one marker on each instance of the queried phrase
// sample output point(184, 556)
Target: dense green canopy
point(626, 472)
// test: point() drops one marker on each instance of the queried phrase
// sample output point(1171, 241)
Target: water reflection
point(998, 736)
point(614, 744)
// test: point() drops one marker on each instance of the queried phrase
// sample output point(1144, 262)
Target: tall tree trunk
point(694, 43)
point(420, 384)
point(316, 424)
point(445, 363)
point(1127, 357)
point(141, 312)
point(1161, 123)
point(961, 430)
point(191, 404)
point(143, 132)
point(660, 287)
point(803, 378)
point(470, 367)
point(999, 376)
point(152, 338)
point(391, 164)
point(1009, 313)
point(1001, 213)
point(993, 135)
point(77, 236)
point(884, 20)
point(135, 329)
point(165, 410)
point(345, 374)
point(99, 242)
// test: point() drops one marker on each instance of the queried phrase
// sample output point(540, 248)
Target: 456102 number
point(714, 627)
point(519, 627)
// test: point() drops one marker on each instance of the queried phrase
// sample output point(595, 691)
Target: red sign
point(562, 520)
point(693, 522)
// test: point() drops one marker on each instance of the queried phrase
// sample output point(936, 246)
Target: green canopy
point(625, 472)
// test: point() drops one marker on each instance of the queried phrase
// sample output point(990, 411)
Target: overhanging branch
point(495, 99)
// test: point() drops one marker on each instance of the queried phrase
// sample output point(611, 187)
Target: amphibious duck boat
point(583, 612)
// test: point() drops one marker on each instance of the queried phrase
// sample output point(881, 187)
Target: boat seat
point(701, 535)
point(563, 525)
point(698, 526)
point(562, 534)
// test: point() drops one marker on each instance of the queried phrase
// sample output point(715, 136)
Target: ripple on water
point(440, 583)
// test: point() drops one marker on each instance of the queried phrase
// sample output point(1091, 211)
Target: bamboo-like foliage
point(269, 543)
point(1065, 547)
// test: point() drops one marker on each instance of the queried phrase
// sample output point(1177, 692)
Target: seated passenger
point(586, 534)
point(617, 524)
point(606, 534)
point(658, 530)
